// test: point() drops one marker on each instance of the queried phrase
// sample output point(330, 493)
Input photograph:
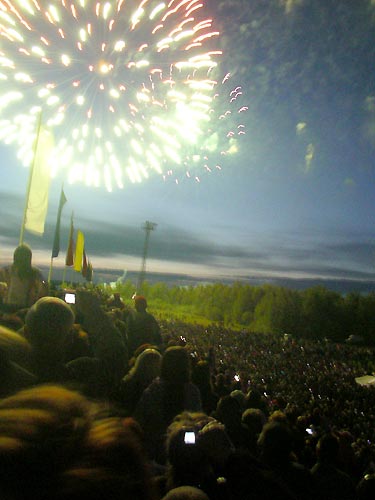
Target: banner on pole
point(56, 240)
point(69, 259)
point(78, 257)
point(84, 264)
point(37, 202)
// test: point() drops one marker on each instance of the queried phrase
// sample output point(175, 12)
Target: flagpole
point(56, 239)
point(50, 271)
point(35, 146)
point(69, 247)
point(64, 274)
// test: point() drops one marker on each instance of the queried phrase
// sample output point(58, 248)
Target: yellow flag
point(37, 201)
point(78, 258)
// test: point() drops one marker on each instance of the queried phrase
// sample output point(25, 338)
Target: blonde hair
point(147, 365)
point(16, 347)
point(55, 444)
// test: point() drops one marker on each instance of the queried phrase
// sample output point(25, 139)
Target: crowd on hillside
point(99, 399)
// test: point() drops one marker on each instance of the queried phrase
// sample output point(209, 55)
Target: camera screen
point(189, 438)
point(70, 298)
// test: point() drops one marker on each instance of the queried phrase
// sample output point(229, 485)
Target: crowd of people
point(98, 398)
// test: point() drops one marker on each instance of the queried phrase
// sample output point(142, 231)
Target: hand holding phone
point(189, 437)
point(70, 298)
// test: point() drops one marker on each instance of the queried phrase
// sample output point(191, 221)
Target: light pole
point(148, 227)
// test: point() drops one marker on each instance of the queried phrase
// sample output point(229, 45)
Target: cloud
point(179, 249)
point(168, 243)
point(172, 249)
point(290, 5)
point(12, 207)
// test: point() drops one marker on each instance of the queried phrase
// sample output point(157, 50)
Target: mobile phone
point(70, 298)
point(189, 437)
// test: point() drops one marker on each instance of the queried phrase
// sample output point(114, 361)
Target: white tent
point(366, 380)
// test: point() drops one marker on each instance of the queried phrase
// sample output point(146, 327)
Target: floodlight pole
point(148, 227)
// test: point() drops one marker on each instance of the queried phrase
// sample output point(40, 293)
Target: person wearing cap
point(142, 327)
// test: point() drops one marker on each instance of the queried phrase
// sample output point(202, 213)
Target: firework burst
point(128, 88)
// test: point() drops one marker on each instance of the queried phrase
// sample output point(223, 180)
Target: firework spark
point(129, 88)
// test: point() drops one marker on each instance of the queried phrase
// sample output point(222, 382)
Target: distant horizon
point(164, 271)
point(111, 275)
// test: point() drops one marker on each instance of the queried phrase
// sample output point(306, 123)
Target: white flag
point(37, 202)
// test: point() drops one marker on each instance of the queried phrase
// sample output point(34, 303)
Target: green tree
point(323, 314)
point(279, 311)
point(245, 300)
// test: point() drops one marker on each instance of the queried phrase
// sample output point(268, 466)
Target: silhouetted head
point(22, 259)
point(201, 375)
point(275, 442)
point(216, 444)
point(185, 493)
point(140, 303)
point(254, 419)
point(54, 443)
point(175, 365)
point(366, 487)
point(14, 355)
point(327, 448)
point(48, 322)
point(22, 254)
point(147, 365)
point(229, 411)
point(14, 345)
point(239, 396)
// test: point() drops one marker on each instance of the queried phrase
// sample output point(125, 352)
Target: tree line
point(315, 313)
